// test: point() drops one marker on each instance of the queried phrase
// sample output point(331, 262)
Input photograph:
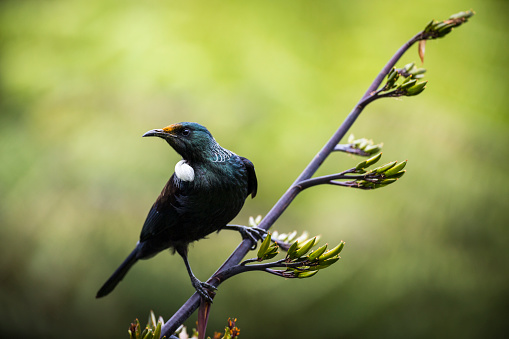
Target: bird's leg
point(252, 233)
point(204, 289)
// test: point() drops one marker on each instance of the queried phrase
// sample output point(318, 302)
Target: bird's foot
point(205, 290)
point(252, 233)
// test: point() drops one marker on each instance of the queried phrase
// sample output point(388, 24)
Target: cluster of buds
point(410, 70)
point(230, 332)
point(439, 29)
point(363, 144)
point(267, 249)
point(304, 264)
point(380, 176)
point(300, 261)
point(410, 85)
point(151, 331)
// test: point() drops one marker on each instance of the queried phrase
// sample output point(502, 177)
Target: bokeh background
point(81, 81)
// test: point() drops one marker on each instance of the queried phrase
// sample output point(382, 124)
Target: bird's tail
point(119, 274)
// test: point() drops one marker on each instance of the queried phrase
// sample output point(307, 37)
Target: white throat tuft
point(183, 171)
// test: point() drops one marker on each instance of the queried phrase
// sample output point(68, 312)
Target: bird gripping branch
point(206, 192)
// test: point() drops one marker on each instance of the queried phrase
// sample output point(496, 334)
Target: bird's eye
point(185, 132)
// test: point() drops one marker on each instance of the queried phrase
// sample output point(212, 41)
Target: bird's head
point(191, 140)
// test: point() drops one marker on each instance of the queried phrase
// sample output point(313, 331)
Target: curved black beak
point(156, 133)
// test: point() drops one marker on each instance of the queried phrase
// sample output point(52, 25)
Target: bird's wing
point(163, 214)
point(252, 182)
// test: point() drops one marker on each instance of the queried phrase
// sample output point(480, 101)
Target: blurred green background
point(81, 81)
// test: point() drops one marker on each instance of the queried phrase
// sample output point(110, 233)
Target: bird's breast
point(216, 189)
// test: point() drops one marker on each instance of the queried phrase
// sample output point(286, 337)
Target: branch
point(240, 252)
point(347, 148)
point(432, 31)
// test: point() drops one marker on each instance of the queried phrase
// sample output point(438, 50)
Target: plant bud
point(363, 144)
point(271, 253)
point(305, 247)
point(385, 167)
point(397, 175)
point(333, 252)
point(316, 253)
point(418, 88)
point(462, 15)
point(409, 66)
point(291, 251)
point(388, 181)
point(439, 25)
point(264, 247)
point(395, 169)
point(368, 162)
point(372, 149)
point(157, 331)
point(326, 263)
point(408, 84)
point(428, 26)
point(393, 75)
point(307, 274)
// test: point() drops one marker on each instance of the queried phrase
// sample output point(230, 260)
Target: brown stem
point(240, 252)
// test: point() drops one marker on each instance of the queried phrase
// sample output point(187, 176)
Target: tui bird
point(207, 190)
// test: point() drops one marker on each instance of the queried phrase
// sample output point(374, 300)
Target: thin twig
point(347, 148)
point(327, 178)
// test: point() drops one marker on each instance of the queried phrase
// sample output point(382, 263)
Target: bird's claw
point(205, 290)
point(254, 234)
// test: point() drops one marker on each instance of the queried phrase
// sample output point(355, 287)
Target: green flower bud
point(409, 66)
point(149, 335)
point(333, 252)
point(138, 329)
point(418, 88)
point(417, 71)
point(372, 149)
point(428, 26)
point(462, 15)
point(325, 263)
point(407, 84)
point(395, 169)
point(369, 162)
point(439, 25)
point(396, 176)
point(385, 167)
point(387, 181)
point(305, 247)
point(291, 251)
point(373, 160)
point(307, 274)
point(363, 144)
point(316, 253)
point(271, 253)
point(157, 332)
point(264, 247)
point(366, 184)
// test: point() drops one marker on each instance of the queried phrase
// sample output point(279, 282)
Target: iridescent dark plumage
point(207, 190)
